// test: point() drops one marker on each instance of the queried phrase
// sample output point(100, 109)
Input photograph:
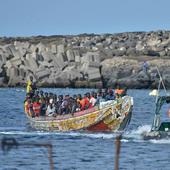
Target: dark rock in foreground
point(86, 60)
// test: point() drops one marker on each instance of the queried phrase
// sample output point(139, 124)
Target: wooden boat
point(159, 129)
point(108, 116)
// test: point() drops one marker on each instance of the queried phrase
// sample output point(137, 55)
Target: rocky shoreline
point(86, 60)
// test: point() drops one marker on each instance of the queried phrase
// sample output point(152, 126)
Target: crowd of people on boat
point(40, 103)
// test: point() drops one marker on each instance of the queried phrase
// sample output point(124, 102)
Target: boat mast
point(158, 102)
point(161, 81)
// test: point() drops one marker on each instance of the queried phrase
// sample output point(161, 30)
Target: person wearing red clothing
point(36, 107)
point(84, 102)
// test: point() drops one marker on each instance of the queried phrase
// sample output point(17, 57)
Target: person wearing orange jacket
point(119, 91)
point(84, 102)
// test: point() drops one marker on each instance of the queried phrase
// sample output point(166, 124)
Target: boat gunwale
point(39, 119)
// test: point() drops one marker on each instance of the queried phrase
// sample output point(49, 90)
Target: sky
point(72, 17)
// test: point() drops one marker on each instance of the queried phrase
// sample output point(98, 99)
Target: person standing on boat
point(58, 105)
point(31, 111)
point(55, 98)
point(51, 108)
point(26, 104)
point(75, 105)
point(36, 107)
point(110, 95)
point(119, 91)
point(100, 98)
point(36, 96)
point(92, 100)
point(65, 105)
point(43, 107)
point(46, 96)
point(84, 102)
point(31, 86)
point(41, 94)
point(79, 98)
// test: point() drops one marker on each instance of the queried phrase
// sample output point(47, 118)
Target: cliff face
point(86, 60)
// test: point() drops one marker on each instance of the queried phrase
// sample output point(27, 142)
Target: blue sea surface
point(79, 150)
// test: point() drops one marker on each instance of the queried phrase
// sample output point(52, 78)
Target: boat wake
point(70, 134)
point(135, 135)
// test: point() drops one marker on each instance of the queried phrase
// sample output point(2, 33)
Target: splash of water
point(136, 134)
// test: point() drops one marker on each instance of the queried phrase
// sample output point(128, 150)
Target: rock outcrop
point(86, 60)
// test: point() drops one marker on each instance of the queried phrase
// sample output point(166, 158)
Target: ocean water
point(79, 150)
